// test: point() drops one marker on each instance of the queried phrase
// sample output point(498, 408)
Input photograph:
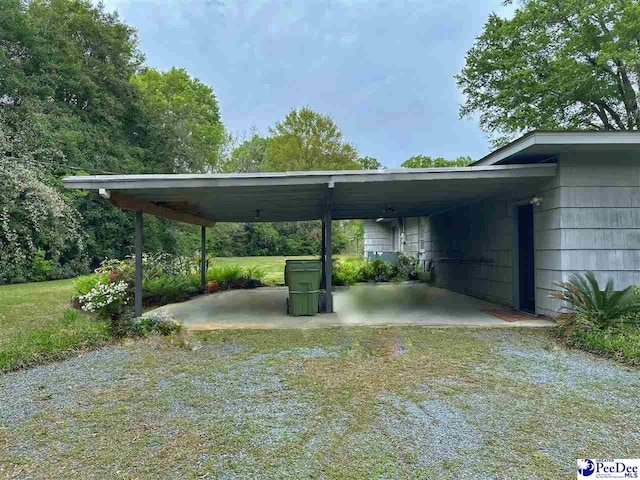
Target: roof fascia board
point(461, 173)
point(143, 182)
point(517, 146)
point(568, 139)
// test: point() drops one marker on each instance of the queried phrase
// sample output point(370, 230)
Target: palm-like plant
point(603, 307)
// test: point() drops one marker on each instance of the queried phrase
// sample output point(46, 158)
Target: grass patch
point(273, 267)
point(621, 343)
point(32, 315)
point(35, 328)
point(392, 402)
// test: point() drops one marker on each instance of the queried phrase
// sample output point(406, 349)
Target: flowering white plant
point(103, 295)
point(40, 234)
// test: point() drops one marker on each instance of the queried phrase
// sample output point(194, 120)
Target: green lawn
point(34, 328)
point(272, 266)
point(402, 402)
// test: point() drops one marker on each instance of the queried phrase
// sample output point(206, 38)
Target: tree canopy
point(308, 140)
point(571, 64)
point(369, 163)
point(425, 161)
point(248, 157)
point(185, 112)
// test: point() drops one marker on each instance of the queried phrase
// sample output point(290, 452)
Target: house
point(511, 246)
point(504, 229)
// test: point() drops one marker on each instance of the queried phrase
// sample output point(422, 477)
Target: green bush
point(224, 273)
point(109, 301)
point(158, 323)
point(85, 283)
point(406, 268)
point(255, 273)
point(165, 289)
point(348, 272)
point(378, 271)
point(42, 268)
point(601, 307)
point(165, 280)
point(235, 276)
point(621, 342)
point(351, 271)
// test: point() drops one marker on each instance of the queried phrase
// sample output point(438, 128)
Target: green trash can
point(303, 279)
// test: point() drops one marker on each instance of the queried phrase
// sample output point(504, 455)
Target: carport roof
point(290, 196)
point(287, 196)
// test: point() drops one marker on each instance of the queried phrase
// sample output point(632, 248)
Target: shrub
point(620, 341)
point(224, 273)
point(40, 234)
point(109, 301)
point(114, 269)
point(105, 298)
point(406, 268)
point(165, 289)
point(348, 272)
point(234, 276)
point(351, 271)
point(165, 280)
point(255, 273)
point(601, 307)
point(378, 271)
point(85, 283)
point(159, 323)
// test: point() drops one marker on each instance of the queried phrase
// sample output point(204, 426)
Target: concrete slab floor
point(363, 304)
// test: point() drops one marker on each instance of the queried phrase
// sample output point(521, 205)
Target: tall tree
point(67, 106)
point(425, 161)
point(556, 64)
point(308, 140)
point(369, 163)
point(249, 157)
point(186, 114)
point(66, 64)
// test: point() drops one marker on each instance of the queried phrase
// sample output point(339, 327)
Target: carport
point(205, 199)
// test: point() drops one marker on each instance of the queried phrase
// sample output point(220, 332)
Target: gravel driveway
point(401, 402)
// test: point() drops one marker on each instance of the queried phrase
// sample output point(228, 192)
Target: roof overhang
point(541, 146)
point(290, 196)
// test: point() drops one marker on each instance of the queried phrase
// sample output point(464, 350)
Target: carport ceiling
point(291, 196)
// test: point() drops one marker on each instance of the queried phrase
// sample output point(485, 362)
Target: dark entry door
point(526, 264)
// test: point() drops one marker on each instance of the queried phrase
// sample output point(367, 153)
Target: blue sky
point(382, 69)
